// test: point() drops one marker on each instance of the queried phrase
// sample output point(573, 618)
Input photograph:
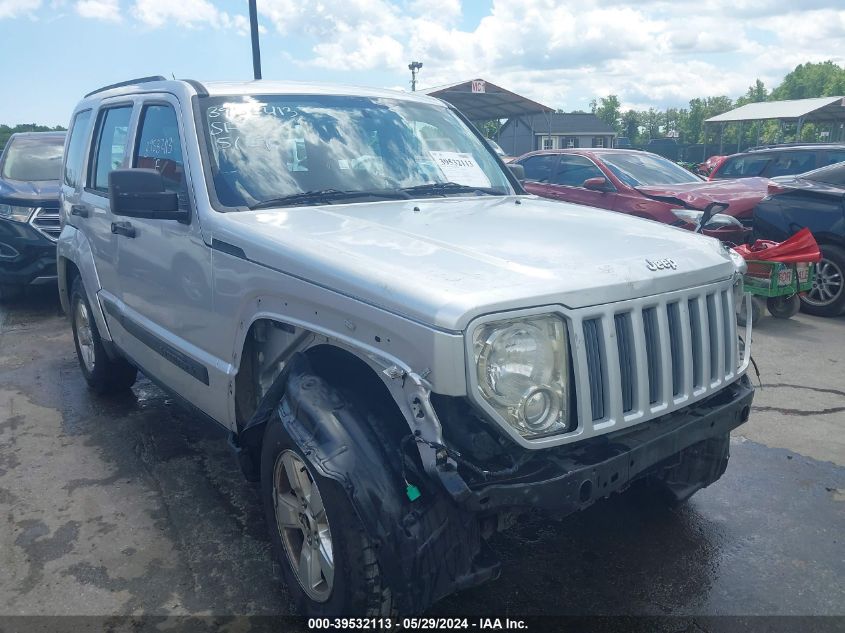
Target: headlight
point(18, 214)
point(522, 372)
point(718, 220)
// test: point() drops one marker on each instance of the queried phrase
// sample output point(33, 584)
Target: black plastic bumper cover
point(582, 474)
point(25, 254)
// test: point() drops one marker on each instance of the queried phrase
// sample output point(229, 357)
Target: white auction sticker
point(460, 168)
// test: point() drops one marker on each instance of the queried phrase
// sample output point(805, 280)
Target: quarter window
point(159, 146)
point(111, 145)
point(789, 163)
point(76, 147)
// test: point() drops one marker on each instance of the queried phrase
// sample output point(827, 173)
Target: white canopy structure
point(821, 110)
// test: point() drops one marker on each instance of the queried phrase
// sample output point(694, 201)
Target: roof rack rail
point(196, 85)
point(129, 82)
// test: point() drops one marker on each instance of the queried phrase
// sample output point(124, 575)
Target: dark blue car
point(29, 210)
point(815, 200)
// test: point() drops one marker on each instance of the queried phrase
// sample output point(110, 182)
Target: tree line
point(824, 79)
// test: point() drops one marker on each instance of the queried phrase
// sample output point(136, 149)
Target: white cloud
point(186, 13)
point(14, 8)
point(649, 52)
point(108, 10)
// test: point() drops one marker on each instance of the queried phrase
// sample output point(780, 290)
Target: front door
point(567, 182)
point(164, 267)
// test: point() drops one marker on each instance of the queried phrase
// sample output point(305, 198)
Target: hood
point(29, 193)
point(444, 261)
point(741, 195)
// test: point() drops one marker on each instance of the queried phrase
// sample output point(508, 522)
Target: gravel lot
point(130, 506)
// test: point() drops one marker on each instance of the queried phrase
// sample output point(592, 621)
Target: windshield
point(266, 148)
point(34, 158)
point(641, 169)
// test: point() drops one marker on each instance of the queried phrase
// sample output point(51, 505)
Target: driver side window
point(159, 147)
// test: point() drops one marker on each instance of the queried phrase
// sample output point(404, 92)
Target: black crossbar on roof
point(128, 82)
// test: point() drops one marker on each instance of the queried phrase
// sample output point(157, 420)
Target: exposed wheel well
point(269, 343)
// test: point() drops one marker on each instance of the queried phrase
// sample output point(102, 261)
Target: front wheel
point(827, 296)
point(102, 373)
point(783, 307)
point(328, 562)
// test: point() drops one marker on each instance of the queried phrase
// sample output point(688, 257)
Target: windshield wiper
point(327, 196)
point(445, 188)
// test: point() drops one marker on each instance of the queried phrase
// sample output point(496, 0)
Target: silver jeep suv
point(406, 349)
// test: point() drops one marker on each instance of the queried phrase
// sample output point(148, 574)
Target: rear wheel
point(783, 307)
point(328, 562)
point(742, 315)
point(827, 296)
point(102, 373)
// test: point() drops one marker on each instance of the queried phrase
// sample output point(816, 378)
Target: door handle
point(79, 210)
point(123, 228)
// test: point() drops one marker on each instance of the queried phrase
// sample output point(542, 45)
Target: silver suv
point(406, 349)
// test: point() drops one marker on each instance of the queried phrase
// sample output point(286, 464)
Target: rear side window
point(111, 145)
point(540, 168)
point(743, 166)
point(790, 163)
point(159, 146)
point(835, 156)
point(574, 170)
point(76, 148)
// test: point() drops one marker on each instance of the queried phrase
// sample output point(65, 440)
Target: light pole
point(413, 67)
point(253, 29)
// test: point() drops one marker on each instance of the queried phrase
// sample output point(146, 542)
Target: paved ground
point(130, 506)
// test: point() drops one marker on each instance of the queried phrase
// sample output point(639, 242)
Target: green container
point(776, 279)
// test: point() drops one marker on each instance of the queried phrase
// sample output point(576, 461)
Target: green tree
point(824, 79)
point(609, 110)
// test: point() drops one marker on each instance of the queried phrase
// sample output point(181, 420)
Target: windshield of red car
point(641, 169)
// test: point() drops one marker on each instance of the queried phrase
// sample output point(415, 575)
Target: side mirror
point(596, 184)
point(517, 170)
point(139, 193)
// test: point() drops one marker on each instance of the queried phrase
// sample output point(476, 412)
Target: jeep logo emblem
point(661, 264)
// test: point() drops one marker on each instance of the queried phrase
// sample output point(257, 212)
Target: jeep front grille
point(650, 356)
point(47, 222)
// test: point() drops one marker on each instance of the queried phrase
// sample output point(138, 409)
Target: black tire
point(783, 307)
point(10, 292)
point(833, 263)
point(357, 588)
point(105, 375)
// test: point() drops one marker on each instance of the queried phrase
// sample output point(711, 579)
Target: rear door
point(90, 210)
point(567, 182)
point(539, 170)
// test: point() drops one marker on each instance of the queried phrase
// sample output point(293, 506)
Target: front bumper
point(571, 478)
point(26, 256)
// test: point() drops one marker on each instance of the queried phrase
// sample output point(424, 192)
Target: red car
point(645, 185)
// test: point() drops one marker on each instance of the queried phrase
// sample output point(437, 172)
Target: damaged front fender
point(426, 548)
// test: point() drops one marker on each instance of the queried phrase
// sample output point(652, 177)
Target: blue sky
point(649, 52)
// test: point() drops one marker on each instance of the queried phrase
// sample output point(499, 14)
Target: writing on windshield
point(277, 146)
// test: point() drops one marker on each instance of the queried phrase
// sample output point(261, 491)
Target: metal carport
point(480, 100)
point(817, 110)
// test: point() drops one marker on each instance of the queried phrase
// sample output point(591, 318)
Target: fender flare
point(73, 246)
point(426, 549)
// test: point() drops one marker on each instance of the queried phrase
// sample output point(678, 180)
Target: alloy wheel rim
point(827, 285)
point(303, 526)
point(84, 335)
